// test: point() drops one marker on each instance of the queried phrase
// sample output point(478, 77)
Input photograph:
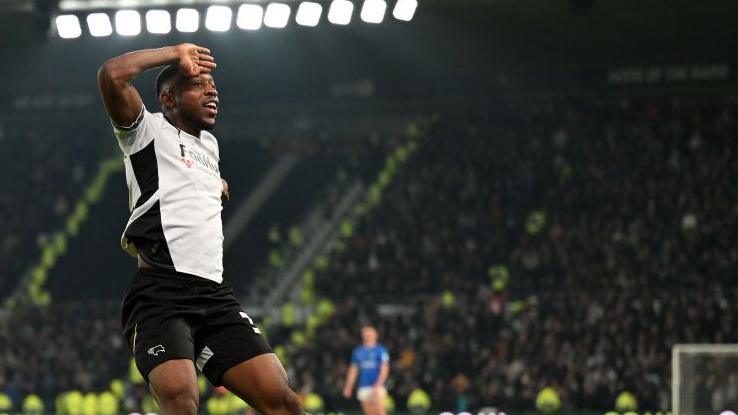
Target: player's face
point(369, 335)
point(198, 101)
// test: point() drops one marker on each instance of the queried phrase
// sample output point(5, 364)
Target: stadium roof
point(466, 40)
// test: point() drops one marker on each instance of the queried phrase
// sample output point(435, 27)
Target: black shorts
point(168, 315)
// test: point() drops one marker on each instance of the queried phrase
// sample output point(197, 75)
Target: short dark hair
point(165, 75)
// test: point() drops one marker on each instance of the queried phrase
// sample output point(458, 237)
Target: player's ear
point(166, 99)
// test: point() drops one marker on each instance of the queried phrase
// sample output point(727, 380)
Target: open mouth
point(211, 107)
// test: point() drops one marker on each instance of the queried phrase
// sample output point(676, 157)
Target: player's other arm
point(225, 193)
point(383, 373)
point(351, 376)
point(122, 100)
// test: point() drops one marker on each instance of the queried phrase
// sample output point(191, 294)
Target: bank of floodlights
point(277, 15)
point(158, 22)
point(127, 22)
point(250, 17)
point(220, 18)
point(188, 20)
point(67, 26)
point(405, 9)
point(340, 12)
point(373, 11)
point(99, 25)
point(308, 14)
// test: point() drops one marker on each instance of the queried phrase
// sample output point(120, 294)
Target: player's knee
point(178, 399)
point(285, 402)
point(291, 403)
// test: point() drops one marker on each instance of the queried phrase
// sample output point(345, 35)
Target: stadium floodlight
point(405, 9)
point(67, 26)
point(188, 20)
point(249, 16)
point(277, 15)
point(373, 11)
point(308, 14)
point(127, 22)
point(158, 21)
point(218, 18)
point(340, 12)
point(99, 24)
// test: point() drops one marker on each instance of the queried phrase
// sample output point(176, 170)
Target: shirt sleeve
point(355, 357)
point(384, 356)
point(136, 136)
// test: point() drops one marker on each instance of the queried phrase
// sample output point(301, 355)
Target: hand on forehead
point(204, 77)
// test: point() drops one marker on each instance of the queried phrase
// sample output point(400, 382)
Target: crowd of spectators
point(46, 171)
point(75, 346)
point(614, 219)
point(632, 253)
point(472, 354)
point(327, 168)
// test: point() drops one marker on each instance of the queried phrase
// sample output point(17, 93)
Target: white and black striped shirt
point(175, 190)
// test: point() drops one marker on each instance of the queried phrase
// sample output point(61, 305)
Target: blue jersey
point(369, 360)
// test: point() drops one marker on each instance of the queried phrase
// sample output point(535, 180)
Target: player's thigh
point(380, 407)
point(155, 327)
point(261, 382)
point(227, 339)
point(174, 380)
point(370, 403)
point(369, 407)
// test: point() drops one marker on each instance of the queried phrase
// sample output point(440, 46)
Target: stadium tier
point(540, 244)
point(46, 174)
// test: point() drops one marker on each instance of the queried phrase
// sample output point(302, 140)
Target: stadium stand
point(72, 346)
point(46, 176)
point(611, 218)
point(564, 244)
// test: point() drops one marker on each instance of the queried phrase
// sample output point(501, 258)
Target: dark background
point(456, 47)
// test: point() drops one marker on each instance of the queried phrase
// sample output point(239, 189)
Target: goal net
point(704, 379)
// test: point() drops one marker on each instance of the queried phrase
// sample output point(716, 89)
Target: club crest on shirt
point(192, 158)
point(187, 162)
point(154, 351)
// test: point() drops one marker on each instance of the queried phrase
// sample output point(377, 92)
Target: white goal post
point(704, 379)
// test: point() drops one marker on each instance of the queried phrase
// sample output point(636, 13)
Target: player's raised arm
point(122, 100)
